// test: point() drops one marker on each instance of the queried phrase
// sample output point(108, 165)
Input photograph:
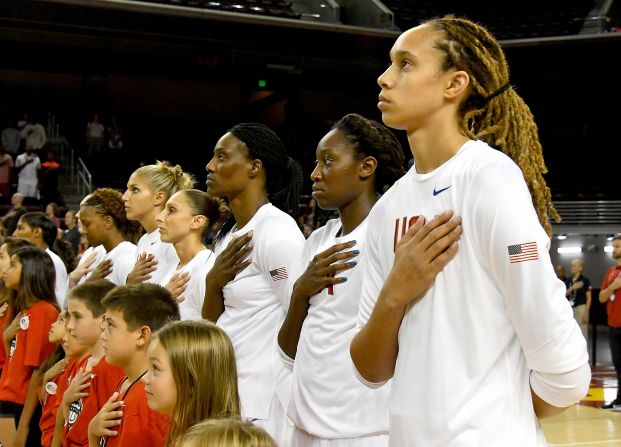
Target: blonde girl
point(226, 433)
point(192, 375)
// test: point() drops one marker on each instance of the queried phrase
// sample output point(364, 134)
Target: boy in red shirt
point(95, 381)
point(133, 313)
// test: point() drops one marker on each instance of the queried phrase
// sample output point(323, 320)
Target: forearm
point(543, 409)
point(57, 437)
point(31, 402)
point(374, 349)
point(93, 441)
point(605, 294)
point(553, 393)
point(213, 306)
point(289, 334)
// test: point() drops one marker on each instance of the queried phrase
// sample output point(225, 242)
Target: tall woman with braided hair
point(105, 223)
point(356, 162)
point(247, 291)
point(479, 341)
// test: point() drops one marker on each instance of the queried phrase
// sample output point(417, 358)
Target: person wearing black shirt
point(579, 295)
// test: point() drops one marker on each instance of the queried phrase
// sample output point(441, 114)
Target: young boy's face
point(119, 342)
point(73, 349)
point(82, 324)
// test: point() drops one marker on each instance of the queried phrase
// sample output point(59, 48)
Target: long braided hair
point(370, 138)
point(283, 175)
point(493, 112)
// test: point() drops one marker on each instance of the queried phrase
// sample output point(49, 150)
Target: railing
point(85, 179)
point(79, 174)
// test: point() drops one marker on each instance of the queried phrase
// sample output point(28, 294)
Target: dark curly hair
point(108, 202)
point(370, 138)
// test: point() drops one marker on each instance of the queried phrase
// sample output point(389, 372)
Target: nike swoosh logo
point(435, 193)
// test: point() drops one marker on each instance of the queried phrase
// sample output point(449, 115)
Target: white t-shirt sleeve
point(279, 250)
point(196, 295)
point(37, 163)
point(121, 268)
point(514, 248)
point(374, 268)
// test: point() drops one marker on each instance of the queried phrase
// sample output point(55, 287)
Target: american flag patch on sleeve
point(278, 274)
point(523, 252)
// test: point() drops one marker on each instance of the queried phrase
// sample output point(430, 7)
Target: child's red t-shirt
point(103, 385)
point(5, 320)
point(54, 401)
point(139, 425)
point(29, 349)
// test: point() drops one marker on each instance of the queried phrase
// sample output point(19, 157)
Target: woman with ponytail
point(482, 336)
point(248, 289)
point(183, 223)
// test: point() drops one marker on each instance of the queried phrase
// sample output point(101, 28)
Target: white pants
point(303, 439)
point(278, 425)
point(27, 189)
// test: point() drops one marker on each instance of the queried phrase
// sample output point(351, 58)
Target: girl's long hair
point(204, 370)
point(37, 280)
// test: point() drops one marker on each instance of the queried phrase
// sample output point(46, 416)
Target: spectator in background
point(115, 138)
point(72, 233)
point(11, 139)
point(579, 295)
point(611, 294)
point(21, 123)
point(11, 218)
point(48, 179)
point(51, 211)
point(35, 136)
point(560, 274)
point(28, 165)
point(6, 163)
point(94, 136)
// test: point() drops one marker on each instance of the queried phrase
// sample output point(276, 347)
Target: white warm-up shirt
point(194, 293)
point(62, 279)
point(28, 174)
point(255, 303)
point(123, 258)
point(496, 311)
point(164, 253)
point(327, 400)
point(101, 253)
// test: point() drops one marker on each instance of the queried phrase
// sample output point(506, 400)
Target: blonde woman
point(148, 189)
point(192, 375)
